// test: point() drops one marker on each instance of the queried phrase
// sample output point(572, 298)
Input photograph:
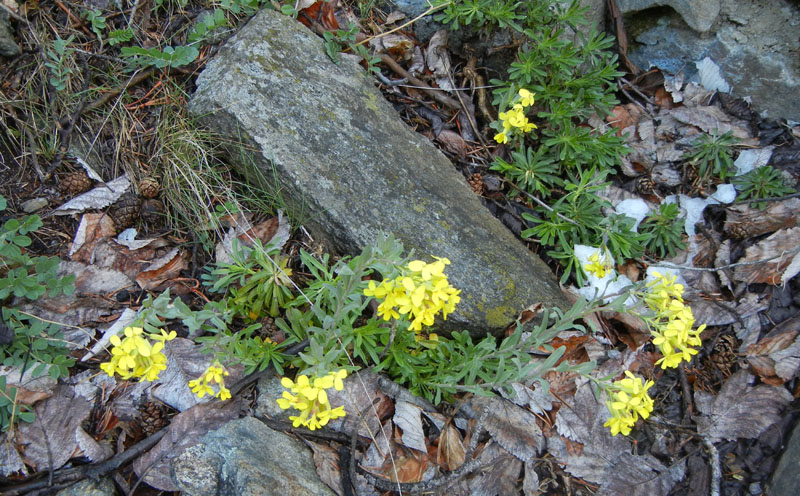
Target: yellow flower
point(596, 266)
point(421, 292)
point(311, 399)
point(629, 401)
point(215, 373)
point(135, 356)
point(501, 137)
point(526, 97)
point(672, 325)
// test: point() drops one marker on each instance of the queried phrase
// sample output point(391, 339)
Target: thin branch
point(716, 468)
point(729, 266)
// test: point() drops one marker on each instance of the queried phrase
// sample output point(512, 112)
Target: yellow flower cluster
point(311, 399)
point(515, 120)
point(629, 401)
point(598, 267)
point(215, 373)
point(136, 356)
point(672, 326)
point(422, 291)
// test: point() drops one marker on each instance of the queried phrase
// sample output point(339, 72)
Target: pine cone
point(154, 417)
point(74, 183)
point(739, 231)
point(149, 187)
point(125, 211)
point(645, 185)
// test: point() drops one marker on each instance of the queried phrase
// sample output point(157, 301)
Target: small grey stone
point(8, 47)
point(247, 458)
point(269, 390)
point(32, 205)
point(197, 472)
point(492, 183)
point(89, 487)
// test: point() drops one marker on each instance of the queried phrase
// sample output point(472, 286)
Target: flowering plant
point(514, 120)
point(136, 356)
point(629, 401)
point(215, 373)
point(311, 399)
point(421, 291)
point(672, 325)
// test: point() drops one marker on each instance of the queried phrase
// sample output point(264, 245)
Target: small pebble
point(33, 205)
point(755, 489)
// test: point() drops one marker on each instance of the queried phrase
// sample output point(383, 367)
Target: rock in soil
point(341, 152)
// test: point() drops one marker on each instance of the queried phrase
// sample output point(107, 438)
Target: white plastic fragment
point(710, 76)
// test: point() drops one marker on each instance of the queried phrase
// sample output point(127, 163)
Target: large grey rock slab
point(247, 458)
point(339, 151)
point(754, 43)
point(786, 479)
point(699, 14)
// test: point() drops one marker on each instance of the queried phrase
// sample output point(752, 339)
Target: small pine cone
point(74, 183)
point(154, 417)
point(476, 183)
point(645, 185)
point(149, 187)
point(738, 231)
point(125, 211)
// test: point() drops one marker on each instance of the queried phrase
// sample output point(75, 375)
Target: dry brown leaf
point(781, 248)
point(623, 116)
point(186, 429)
point(90, 448)
point(10, 460)
point(326, 460)
point(406, 469)
point(398, 45)
point(360, 390)
point(452, 142)
point(437, 58)
point(450, 452)
point(501, 477)
point(605, 459)
point(739, 410)
point(663, 99)
point(49, 442)
point(723, 313)
point(538, 400)
point(514, 428)
point(163, 269)
point(92, 228)
point(778, 215)
point(776, 357)
point(408, 418)
point(712, 119)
